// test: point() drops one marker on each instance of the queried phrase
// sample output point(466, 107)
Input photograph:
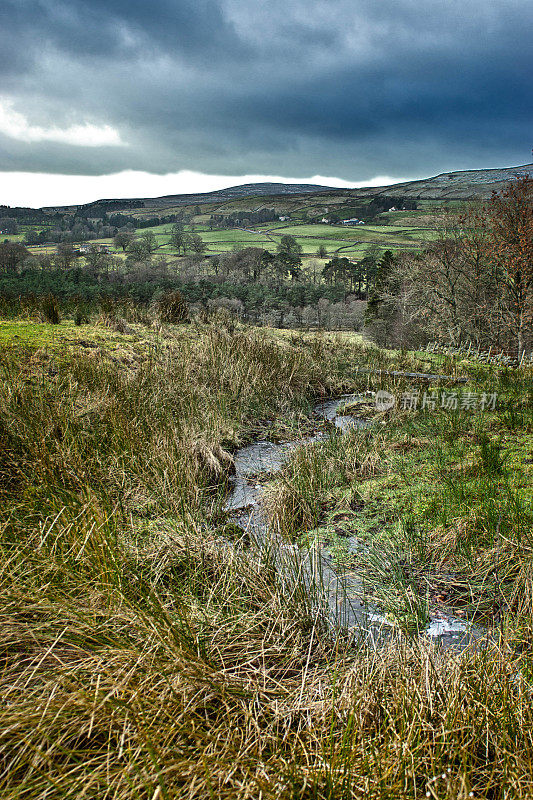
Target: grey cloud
point(347, 88)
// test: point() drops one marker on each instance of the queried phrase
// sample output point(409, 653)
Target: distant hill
point(245, 190)
point(469, 184)
point(474, 184)
point(218, 196)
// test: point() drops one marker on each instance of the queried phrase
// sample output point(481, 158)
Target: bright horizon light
point(39, 189)
point(16, 126)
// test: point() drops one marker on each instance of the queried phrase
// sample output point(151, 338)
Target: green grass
point(11, 237)
point(310, 237)
point(68, 339)
point(446, 492)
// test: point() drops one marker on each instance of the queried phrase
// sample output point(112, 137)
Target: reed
point(144, 656)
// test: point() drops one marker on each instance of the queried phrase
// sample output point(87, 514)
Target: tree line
point(474, 284)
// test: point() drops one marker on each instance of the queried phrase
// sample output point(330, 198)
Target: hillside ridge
point(473, 184)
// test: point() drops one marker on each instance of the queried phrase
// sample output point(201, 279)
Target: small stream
point(339, 595)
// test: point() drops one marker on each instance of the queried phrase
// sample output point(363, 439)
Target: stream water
point(339, 595)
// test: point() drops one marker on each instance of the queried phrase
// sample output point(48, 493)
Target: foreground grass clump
point(148, 427)
point(127, 674)
point(143, 656)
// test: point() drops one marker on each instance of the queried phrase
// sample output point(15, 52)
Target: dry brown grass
point(144, 658)
point(217, 689)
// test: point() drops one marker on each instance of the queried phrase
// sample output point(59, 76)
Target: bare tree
point(476, 281)
point(123, 239)
point(509, 221)
point(66, 255)
point(12, 255)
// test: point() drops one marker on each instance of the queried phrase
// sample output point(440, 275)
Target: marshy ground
point(147, 654)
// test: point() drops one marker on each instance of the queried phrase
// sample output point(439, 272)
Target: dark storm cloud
point(101, 27)
point(344, 87)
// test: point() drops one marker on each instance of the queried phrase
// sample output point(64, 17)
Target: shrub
point(50, 309)
point(171, 307)
point(80, 317)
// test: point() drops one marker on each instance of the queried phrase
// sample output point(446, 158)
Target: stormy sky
point(128, 97)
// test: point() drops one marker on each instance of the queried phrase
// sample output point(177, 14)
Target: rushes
point(147, 434)
point(491, 456)
point(232, 700)
point(50, 309)
point(144, 657)
point(443, 507)
point(309, 485)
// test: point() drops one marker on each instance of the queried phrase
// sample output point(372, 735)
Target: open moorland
point(152, 648)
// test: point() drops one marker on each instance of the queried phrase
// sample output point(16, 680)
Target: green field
point(400, 231)
point(350, 241)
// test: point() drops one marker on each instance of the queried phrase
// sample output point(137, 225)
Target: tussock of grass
point(152, 434)
point(317, 480)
